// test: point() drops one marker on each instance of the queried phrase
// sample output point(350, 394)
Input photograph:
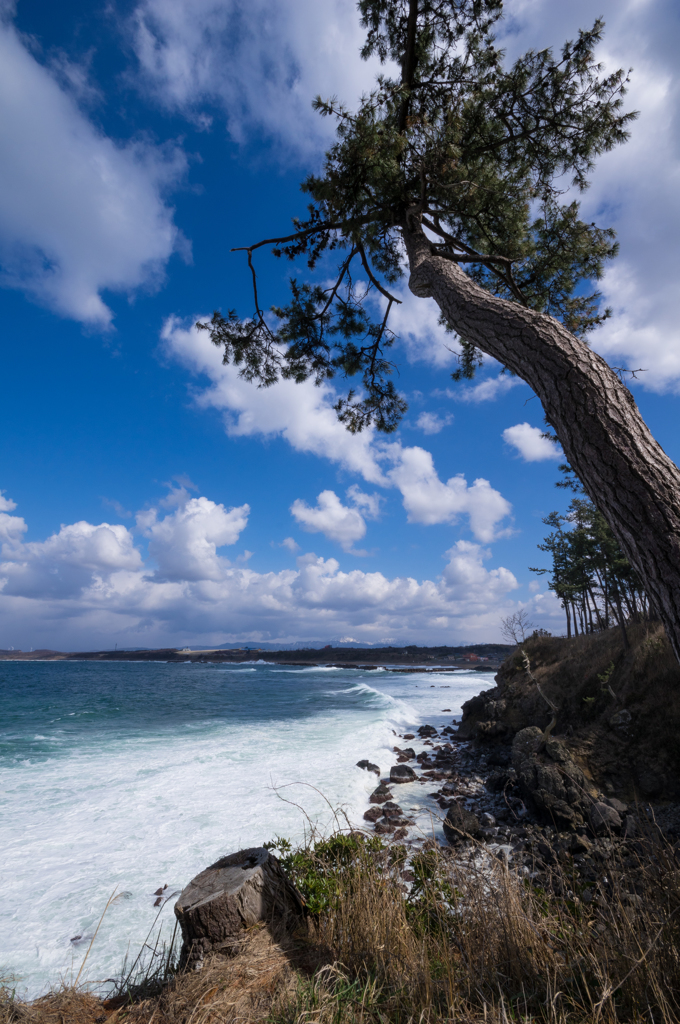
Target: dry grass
point(472, 941)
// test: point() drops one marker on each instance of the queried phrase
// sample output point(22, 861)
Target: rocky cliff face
point(588, 721)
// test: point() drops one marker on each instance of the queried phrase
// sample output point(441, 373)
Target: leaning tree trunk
point(624, 470)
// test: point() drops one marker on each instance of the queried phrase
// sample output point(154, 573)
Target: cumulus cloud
point(89, 584)
point(487, 390)
point(290, 543)
point(184, 544)
point(634, 187)
point(260, 64)
point(79, 555)
point(531, 444)
point(341, 523)
point(303, 414)
point(78, 213)
point(431, 423)
point(428, 500)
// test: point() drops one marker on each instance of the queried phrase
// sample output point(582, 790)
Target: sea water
point(126, 777)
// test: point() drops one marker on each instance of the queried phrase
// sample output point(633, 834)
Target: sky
point(151, 497)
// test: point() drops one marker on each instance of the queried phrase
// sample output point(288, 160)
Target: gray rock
point(557, 752)
point(488, 820)
point(461, 823)
point(427, 730)
point(373, 813)
point(618, 805)
point(558, 792)
point(526, 743)
point(621, 719)
point(231, 895)
point(402, 773)
point(604, 818)
point(649, 782)
point(631, 827)
point(368, 767)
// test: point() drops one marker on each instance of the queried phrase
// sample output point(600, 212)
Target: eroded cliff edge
point(617, 715)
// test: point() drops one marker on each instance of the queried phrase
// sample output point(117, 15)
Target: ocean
point(129, 776)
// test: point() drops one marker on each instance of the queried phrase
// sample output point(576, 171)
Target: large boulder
point(548, 778)
point(604, 818)
point(231, 895)
point(402, 773)
point(460, 823)
point(368, 766)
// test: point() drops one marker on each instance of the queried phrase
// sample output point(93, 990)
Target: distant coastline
point(485, 657)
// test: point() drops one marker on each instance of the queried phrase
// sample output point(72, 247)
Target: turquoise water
point(131, 776)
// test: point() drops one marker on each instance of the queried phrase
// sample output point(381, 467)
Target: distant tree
point(595, 582)
point(462, 161)
point(515, 628)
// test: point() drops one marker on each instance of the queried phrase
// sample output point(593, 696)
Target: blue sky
point(149, 496)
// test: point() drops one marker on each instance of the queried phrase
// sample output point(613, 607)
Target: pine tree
point(461, 162)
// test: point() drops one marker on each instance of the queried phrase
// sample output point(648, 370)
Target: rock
point(579, 844)
point(526, 743)
point(557, 752)
point(391, 806)
point(621, 719)
point(427, 730)
point(491, 730)
point(402, 773)
point(409, 736)
point(380, 795)
point(631, 827)
point(401, 833)
point(231, 895)
point(384, 828)
point(460, 823)
point(603, 818)
point(649, 782)
point(618, 805)
point(499, 757)
point(488, 820)
point(373, 813)
point(368, 767)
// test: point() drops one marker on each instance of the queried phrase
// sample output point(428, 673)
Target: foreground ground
point(574, 921)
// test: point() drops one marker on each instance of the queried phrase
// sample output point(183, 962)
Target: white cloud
point(88, 585)
point(427, 500)
point(487, 390)
point(290, 543)
point(78, 213)
point(303, 414)
point(338, 522)
point(431, 423)
point(635, 187)
point(184, 543)
point(79, 555)
point(368, 503)
point(420, 334)
point(262, 63)
point(531, 444)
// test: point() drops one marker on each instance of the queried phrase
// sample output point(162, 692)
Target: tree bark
point(624, 470)
point(236, 892)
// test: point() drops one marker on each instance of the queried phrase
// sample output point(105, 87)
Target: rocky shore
point(569, 759)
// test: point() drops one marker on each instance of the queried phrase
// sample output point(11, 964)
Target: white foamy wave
point(146, 808)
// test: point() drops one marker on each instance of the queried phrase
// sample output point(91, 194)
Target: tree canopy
point(487, 156)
